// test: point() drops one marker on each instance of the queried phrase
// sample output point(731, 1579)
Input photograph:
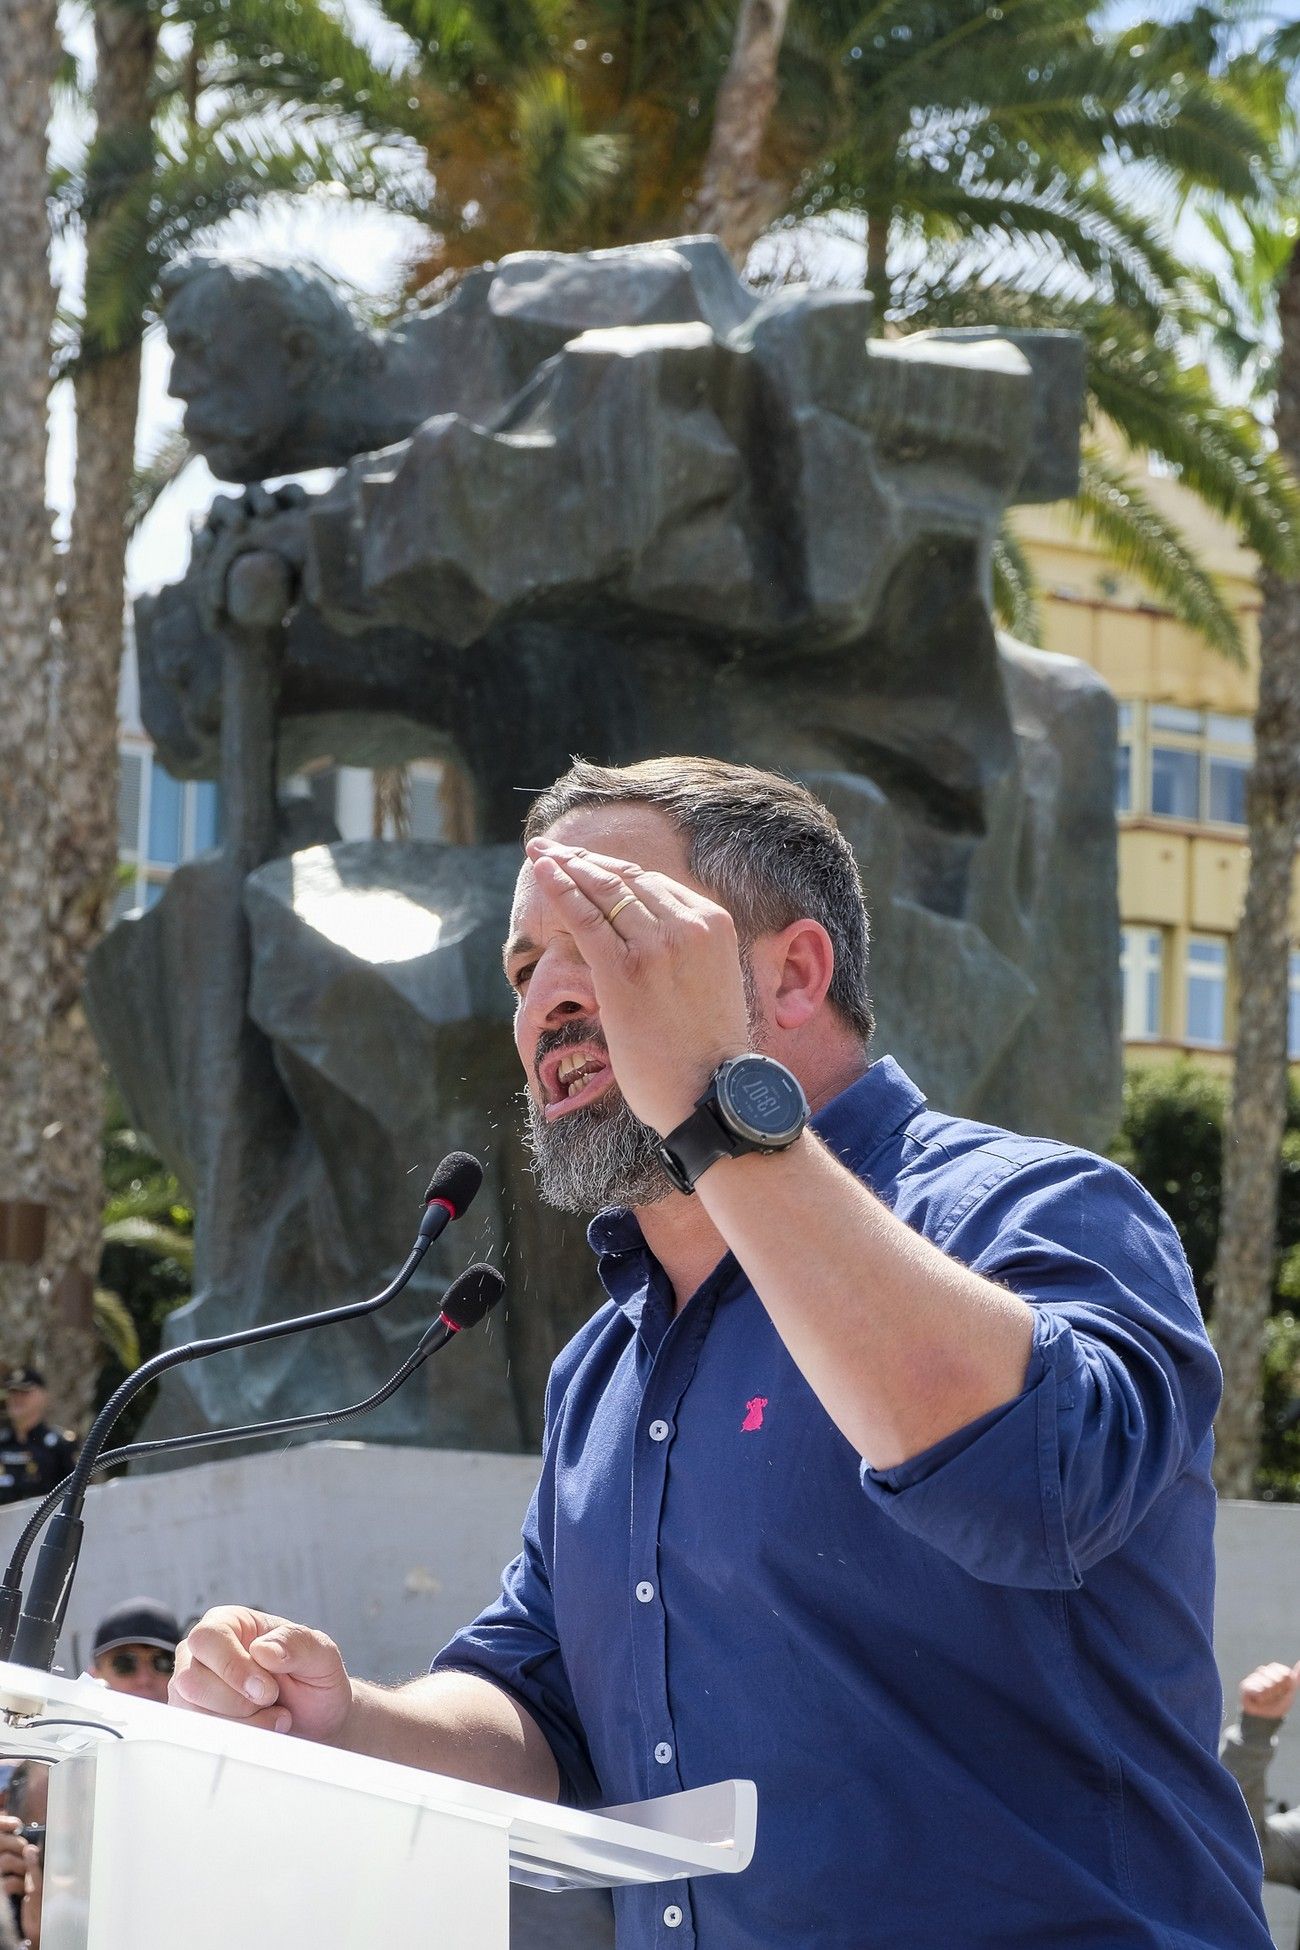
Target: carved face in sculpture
point(253, 354)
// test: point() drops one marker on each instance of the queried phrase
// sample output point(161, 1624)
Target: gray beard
point(597, 1156)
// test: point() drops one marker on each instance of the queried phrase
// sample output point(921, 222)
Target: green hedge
point(1171, 1139)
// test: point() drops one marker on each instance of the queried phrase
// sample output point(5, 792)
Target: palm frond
point(197, 187)
point(1284, 45)
point(1080, 100)
point(147, 1236)
point(154, 474)
point(461, 44)
point(1139, 538)
point(1015, 587)
point(1170, 409)
point(300, 51)
point(1079, 225)
point(1159, 404)
point(564, 167)
point(142, 1188)
point(115, 1327)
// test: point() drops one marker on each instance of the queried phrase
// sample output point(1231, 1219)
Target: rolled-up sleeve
point(514, 1644)
point(1120, 1391)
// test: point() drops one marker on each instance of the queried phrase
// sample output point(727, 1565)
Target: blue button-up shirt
point(976, 1692)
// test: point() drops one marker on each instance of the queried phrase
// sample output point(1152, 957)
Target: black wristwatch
point(753, 1103)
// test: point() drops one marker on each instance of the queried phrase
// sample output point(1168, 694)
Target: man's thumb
point(297, 1651)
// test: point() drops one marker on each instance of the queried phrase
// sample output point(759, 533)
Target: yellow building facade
point(1185, 750)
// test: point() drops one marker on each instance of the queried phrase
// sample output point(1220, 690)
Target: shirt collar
point(854, 1125)
point(857, 1123)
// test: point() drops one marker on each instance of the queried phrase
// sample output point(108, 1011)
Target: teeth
point(573, 1072)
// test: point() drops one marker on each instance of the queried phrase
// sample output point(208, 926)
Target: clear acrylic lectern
point(169, 1829)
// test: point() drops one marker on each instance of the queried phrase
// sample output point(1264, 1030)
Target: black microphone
point(450, 1192)
point(466, 1302)
point(470, 1300)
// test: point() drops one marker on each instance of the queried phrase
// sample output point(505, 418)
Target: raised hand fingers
point(607, 882)
point(1269, 1690)
point(216, 1668)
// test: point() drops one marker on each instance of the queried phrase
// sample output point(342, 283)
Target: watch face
point(761, 1099)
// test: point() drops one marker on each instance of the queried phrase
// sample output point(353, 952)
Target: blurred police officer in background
point(34, 1457)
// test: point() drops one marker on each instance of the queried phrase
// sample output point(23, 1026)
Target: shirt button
point(672, 1916)
point(658, 1431)
point(645, 1592)
point(663, 1753)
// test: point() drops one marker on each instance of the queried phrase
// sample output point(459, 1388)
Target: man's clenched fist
point(266, 1671)
point(1269, 1690)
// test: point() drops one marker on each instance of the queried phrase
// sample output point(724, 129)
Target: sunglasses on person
point(125, 1664)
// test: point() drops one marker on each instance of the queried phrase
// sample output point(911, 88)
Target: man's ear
point(805, 962)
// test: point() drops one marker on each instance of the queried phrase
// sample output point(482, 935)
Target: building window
point(1124, 760)
point(1207, 990)
point(161, 821)
point(1175, 782)
point(1293, 1010)
point(1198, 763)
point(1175, 761)
point(1228, 748)
point(1141, 964)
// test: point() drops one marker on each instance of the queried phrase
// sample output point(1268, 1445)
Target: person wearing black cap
point(135, 1648)
point(33, 1456)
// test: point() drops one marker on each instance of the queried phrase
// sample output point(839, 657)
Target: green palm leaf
point(565, 168)
point(1138, 537)
point(265, 51)
point(155, 474)
point(1015, 587)
point(147, 1236)
point(192, 189)
point(1158, 404)
point(1172, 410)
point(115, 1327)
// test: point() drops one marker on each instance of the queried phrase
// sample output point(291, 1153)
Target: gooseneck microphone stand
point(466, 1302)
point(453, 1185)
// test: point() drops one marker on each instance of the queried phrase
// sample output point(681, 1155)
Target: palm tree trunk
point(83, 864)
point(29, 50)
point(1243, 1279)
point(734, 201)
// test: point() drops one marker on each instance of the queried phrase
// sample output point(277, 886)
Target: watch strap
point(698, 1142)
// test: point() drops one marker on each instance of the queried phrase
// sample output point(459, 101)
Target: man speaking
point(883, 1475)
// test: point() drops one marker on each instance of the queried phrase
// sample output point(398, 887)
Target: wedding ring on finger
point(618, 907)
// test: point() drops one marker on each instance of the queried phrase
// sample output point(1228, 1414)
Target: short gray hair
point(769, 850)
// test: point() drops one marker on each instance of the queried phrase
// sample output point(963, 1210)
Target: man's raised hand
point(665, 965)
point(247, 1665)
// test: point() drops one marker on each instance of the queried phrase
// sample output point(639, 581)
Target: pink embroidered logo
point(753, 1414)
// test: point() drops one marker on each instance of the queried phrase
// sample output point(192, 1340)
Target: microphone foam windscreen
point(472, 1296)
point(456, 1181)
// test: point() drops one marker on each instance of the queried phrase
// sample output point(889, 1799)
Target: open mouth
point(573, 1077)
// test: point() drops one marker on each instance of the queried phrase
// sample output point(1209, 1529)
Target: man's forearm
point(1246, 1750)
point(900, 1343)
point(453, 1723)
